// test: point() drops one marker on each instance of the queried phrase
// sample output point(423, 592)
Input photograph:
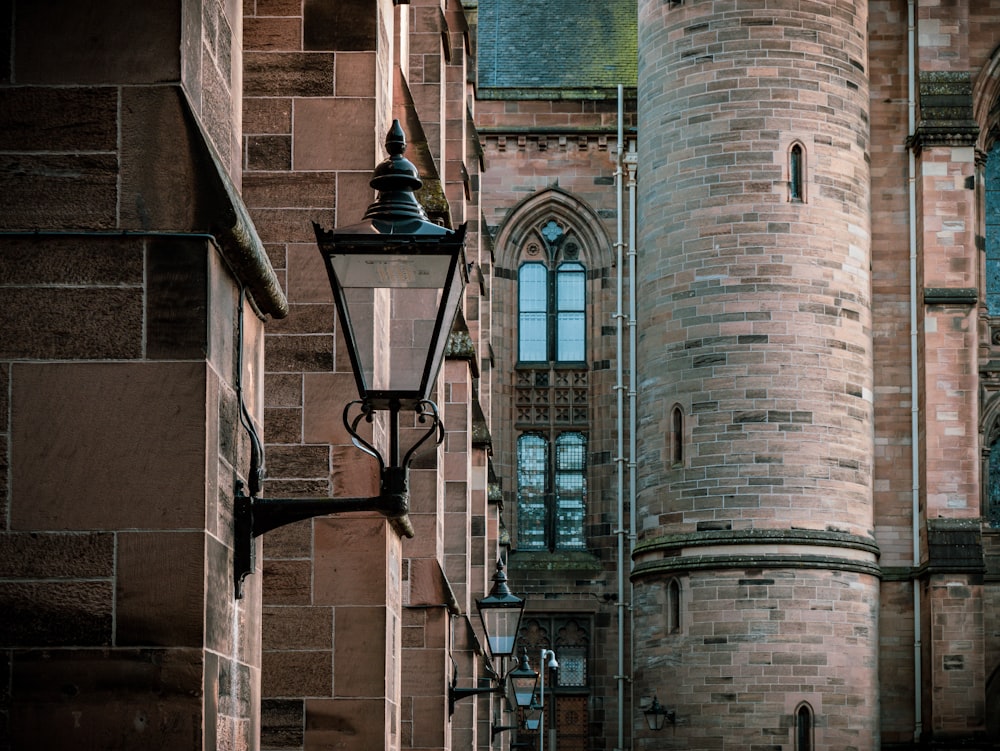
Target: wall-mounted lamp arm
point(255, 516)
point(456, 694)
point(495, 730)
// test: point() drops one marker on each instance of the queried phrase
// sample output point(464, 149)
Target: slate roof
point(571, 45)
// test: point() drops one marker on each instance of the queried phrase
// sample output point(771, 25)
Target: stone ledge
point(672, 543)
point(951, 296)
point(684, 564)
point(559, 561)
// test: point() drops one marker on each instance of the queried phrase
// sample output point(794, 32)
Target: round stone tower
point(755, 569)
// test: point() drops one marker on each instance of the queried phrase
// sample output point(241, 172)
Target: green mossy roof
point(561, 45)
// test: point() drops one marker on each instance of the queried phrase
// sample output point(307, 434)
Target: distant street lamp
point(500, 612)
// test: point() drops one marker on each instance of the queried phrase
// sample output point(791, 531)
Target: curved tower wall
point(755, 321)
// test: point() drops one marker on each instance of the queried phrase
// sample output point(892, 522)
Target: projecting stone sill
point(561, 560)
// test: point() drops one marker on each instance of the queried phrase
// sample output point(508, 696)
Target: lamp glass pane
point(393, 302)
point(501, 629)
point(524, 689)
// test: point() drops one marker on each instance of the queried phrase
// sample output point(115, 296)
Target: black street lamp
point(521, 682)
point(397, 280)
point(500, 612)
point(533, 716)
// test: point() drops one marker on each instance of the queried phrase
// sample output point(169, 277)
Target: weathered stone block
point(75, 322)
point(158, 573)
point(120, 42)
point(57, 556)
point(349, 25)
point(292, 74)
point(56, 613)
point(141, 427)
point(36, 118)
point(54, 191)
point(177, 299)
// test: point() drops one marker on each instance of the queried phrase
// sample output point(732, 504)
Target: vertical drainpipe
point(633, 379)
point(620, 425)
point(911, 43)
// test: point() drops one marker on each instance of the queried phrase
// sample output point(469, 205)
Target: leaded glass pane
point(533, 312)
point(571, 301)
point(571, 287)
point(571, 491)
point(533, 330)
point(570, 338)
point(532, 471)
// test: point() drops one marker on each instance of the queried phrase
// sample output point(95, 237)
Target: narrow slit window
point(673, 606)
point(803, 728)
point(795, 168)
point(676, 436)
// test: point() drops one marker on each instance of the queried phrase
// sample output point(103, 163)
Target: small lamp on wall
point(656, 715)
